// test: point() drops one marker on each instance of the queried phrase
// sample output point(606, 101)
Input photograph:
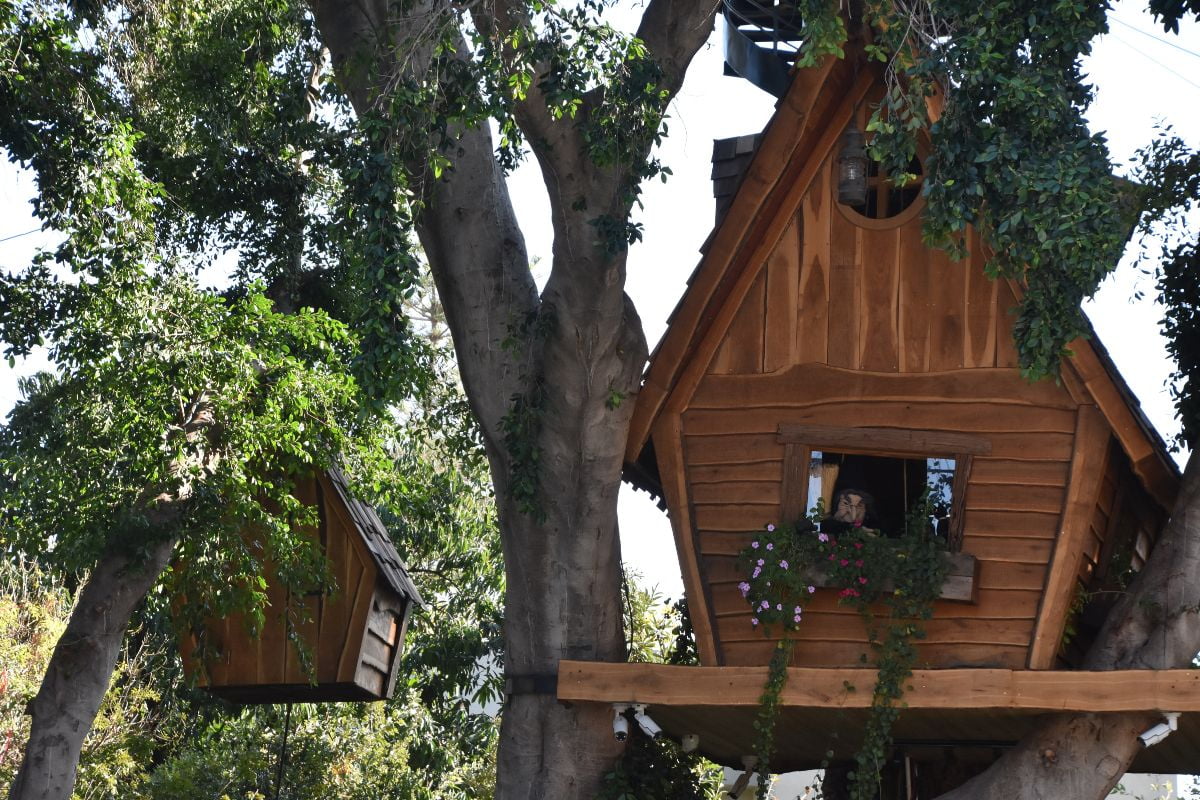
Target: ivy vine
point(904, 575)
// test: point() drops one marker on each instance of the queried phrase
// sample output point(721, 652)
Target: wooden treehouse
point(819, 347)
point(353, 637)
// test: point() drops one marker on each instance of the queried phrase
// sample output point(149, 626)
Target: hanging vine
point(905, 575)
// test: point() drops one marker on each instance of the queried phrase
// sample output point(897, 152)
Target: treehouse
point(348, 642)
point(821, 349)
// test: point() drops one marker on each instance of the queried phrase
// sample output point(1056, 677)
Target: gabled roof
point(375, 536)
point(806, 127)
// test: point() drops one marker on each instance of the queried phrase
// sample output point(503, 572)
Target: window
point(893, 484)
point(890, 468)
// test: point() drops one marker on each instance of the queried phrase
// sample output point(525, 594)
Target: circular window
point(887, 204)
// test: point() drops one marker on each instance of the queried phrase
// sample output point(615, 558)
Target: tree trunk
point(80, 670)
point(579, 370)
point(1156, 625)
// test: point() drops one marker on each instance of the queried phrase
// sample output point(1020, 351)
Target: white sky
point(1139, 77)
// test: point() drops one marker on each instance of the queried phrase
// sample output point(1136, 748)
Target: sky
point(1142, 76)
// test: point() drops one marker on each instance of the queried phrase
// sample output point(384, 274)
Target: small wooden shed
point(819, 347)
point(354, 636)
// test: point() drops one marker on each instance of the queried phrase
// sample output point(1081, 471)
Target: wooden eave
point(806, 126)
point(822, 709)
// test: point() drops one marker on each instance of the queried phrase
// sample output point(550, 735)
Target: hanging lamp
point(852, 168)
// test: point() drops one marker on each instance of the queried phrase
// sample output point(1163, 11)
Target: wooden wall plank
point(1020, 473)
point(878, 328)
point(739, 491)
point(914, 301)
point(947, 290)
point(748, 447)
point(741, 351)
point(816, 627)
point(844, 291)
point(1087, 471)
point(1006, 315)
point(818, 381)
point(782, 300)
point(356, 626)
point(812, 329)
point(992, 497)
point(1008, 548)
point(827, 654)
point(979, 347)
point(1012, 523)
point(962, 417)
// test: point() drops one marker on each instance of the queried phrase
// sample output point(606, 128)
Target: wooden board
point(1087, 473)
point(816, 382)
point(966, 417)
point(1042, 691)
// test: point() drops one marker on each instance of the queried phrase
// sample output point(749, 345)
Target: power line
point(1158, 39)
point(1149, 57)
point(19, 235)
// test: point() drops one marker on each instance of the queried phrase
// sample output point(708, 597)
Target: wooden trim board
point(1087, 476)
point(885, 440)
point(1034, 691)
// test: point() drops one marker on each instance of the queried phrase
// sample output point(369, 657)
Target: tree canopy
point(328, 151)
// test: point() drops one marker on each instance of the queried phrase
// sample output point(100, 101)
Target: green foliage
point(768, 713)
point(1010, 154)
point(141, 713)
point(903, 574)
point(1169, 173)
point(352, 751)
point(656, 769)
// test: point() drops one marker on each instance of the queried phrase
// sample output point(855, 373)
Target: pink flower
point(779, 606)
point(831, 556)
point(754, 545)
point(745, 588)
point(765, 604)
point(770, 528)
point(858, 545)
point(757, 570)
point(761, 562)
point(822, 537)
point(770, 546)
point(858, 563)
point(858, 523)
point(812, 589)
point(845, 561)
point(862, 580)
point(796, 618)
point(783, 563)
point(754, 620)
point(797, 609)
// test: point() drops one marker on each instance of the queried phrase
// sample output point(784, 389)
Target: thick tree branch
point(468, 227)
point(1156, 625)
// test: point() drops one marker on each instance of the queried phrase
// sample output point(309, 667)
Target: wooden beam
point(668, 447)
point(1087, 475)
point(809, 687)
point(885, 439)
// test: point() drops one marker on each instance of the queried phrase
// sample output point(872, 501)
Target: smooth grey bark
point(85, 656)
point(1155, 625)
point(562, 567)
point(80, 670)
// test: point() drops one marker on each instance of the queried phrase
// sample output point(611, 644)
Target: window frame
point(799, 441)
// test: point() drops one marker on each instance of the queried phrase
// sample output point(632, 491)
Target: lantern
point(852, 168)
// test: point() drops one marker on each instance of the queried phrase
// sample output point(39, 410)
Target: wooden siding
point(1014, 496)
point(863, 298)
point(353, 634)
